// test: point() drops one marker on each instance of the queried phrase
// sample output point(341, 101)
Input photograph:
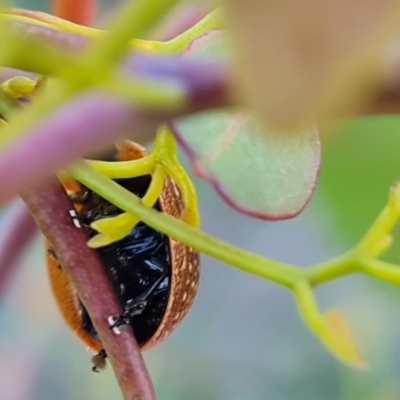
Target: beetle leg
point(134, 307)
point(52, 253)
point(99, 361)
point(79, 197)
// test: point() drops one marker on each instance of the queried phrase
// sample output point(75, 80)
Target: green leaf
point(258, 172)
point(267, 174)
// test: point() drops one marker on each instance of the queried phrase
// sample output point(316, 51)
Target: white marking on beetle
point(75, 219)
point(111, 321)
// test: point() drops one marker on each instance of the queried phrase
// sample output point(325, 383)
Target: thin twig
point(50, 207)
point(17, 230)
point(183, 17)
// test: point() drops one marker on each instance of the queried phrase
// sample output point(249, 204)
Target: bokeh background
point(243, 339)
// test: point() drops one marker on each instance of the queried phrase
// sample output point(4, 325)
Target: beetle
point(155, 277)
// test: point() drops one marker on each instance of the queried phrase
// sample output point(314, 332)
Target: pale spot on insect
point(75, 219)
point(193, 284)
point(187, 282)
point(184, 297)
point(111, 321)
point(190, 267)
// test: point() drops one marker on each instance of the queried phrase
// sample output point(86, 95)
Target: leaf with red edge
point(260, 172)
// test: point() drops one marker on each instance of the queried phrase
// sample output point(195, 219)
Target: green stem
point(153, 94)
point(124, 169)
point(30, 55)
point(331, 269)
point(275, 271)
point(212, 21)
point(307, 305)
point(8, 105)
point(382, 270)
point(133, 19)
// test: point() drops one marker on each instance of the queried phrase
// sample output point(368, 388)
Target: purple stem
point(50, 207)
point(95, 120)
point(17, 230)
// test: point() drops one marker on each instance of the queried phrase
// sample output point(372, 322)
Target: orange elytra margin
point(82, 12)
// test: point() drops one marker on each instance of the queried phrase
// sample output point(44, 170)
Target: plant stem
point(135, 17)
point(7, 105)
point(214, 20)
point(17, 230)
point(331, 269)
point(275, 271)
point(82, 12)
point(307, 305)
point(119, 170)
point(50, 205)
point(381, 270)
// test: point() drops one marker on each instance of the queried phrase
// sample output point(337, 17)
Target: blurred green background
point(243, 339)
